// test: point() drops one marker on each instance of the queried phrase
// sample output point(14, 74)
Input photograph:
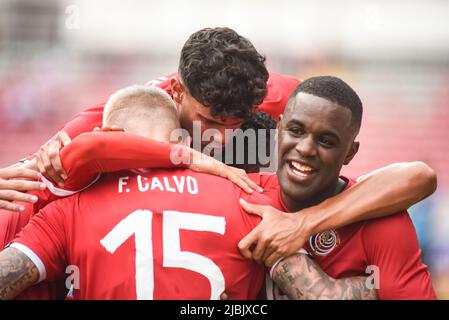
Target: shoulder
point(266, 180)
point(394, 233)
point(277, 78)
point(85, 121)
point(279, 89)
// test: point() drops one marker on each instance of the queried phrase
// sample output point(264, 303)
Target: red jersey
point(279, 89)
point(11, 223)
point(165, 234)
point(344, 252)
point(388, 246)
point(84, 159)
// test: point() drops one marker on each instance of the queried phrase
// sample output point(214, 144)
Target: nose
point(306, 147)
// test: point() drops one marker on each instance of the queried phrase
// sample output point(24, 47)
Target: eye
point(297, 131)
point(327, 143)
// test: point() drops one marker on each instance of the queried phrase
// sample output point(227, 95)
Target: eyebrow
point(322, 133)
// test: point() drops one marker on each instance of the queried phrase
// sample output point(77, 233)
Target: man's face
point(315, 139)
point(190, 111)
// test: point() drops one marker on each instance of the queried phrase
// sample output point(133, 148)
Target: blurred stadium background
point(58, 57)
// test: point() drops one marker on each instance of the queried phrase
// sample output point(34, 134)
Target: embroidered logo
point(325, 242)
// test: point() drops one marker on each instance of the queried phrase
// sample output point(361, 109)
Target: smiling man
point(317, 136)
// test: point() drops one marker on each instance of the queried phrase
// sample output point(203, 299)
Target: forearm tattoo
point(300, 278)
point(17, 272)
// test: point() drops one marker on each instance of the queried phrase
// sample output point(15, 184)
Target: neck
point(295, 205)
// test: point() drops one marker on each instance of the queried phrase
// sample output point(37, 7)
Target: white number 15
point(139, 223)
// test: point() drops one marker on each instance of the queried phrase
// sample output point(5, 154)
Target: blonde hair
point(136, 107)
point(136, 99)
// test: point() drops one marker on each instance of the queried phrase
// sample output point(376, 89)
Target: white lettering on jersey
point(156, 183)
point(168, 184)
point(179, 183)
point(192, 185)
point(142, 186)
point(122, 182)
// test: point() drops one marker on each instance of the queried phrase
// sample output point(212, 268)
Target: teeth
point(299, 173)
point(301, 167)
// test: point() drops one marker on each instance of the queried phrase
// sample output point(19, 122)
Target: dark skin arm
point(384, 192)
point(300, 278)
point(17, 272)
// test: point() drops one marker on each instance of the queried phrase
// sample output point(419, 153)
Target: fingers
point(44, 158)
point(251, 183)
point(246, 243)
point(13, 195)
point(252, 208)
point(19, 172)
point(240, 182)
point(272, 258)
point(48, 160)
point(5, 205)
point(64, 138)
point(55, 159)
point(259, 250)
point(269, 250)
point(21, 185)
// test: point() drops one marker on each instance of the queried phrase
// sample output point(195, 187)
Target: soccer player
point(221, 79)
point(316, 137)
point(157, 234)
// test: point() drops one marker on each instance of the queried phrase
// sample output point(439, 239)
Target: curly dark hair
point(223, 70)
point(257, 121)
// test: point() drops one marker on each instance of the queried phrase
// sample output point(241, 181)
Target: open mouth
point(301, 170)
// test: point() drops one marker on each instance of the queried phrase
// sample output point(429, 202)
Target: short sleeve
point(391, 245)
point(44, 241)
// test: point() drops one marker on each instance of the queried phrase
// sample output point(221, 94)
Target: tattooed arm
point(17, 272)
point(300, 278)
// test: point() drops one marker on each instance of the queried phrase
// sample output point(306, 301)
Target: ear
point(177, 90)
point(352, 152)
point(278, 123)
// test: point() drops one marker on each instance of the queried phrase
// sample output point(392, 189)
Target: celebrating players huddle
point(142, 215)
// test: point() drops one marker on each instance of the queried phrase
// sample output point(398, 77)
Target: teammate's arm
point(17, 272)
point(381, 193)
point(300, 278)
point(95, 152)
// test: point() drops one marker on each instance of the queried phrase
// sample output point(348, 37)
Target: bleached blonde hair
point(146, 111)
point(136, 100)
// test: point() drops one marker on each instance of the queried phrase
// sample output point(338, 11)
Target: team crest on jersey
point(325, 242)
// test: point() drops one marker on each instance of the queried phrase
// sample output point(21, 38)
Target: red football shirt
point(347, 251)
point(166, 234)
point(11, 223)
point(388, 245)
